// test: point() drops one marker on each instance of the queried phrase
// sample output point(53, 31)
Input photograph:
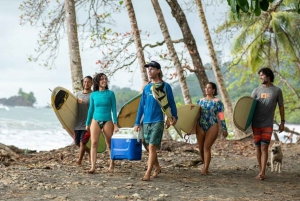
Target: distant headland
point(22, 99)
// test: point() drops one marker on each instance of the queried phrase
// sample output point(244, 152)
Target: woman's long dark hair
point(214, 86)
point(96, 81)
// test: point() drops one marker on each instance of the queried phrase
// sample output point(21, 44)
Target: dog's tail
point(276, 136)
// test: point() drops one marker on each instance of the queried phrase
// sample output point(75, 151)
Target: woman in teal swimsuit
point(207, 128)
point(102, 108)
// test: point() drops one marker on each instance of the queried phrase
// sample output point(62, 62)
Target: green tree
point(256, 6)
point(27, 97)
point(272, 40)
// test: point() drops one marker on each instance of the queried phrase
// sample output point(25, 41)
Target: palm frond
point(279, 23)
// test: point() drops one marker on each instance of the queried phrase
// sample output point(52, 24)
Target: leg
point(152, 159)
point(108, 131)
point(145, 145)
point(266, 134)
point(95, 133)
point(257, 136)
point(143, 140)
point(153, 134)
point(157, 168)
point(87, 150)
point(81, 153)
point(258, 157)
point(84, 141)
point(264, 159)
point(210, 137)
point(77, 134)
point(200, 135)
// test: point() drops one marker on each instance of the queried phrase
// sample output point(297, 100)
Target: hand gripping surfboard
point(160, 95)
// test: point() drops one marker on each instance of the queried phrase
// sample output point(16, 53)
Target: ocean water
point(39, 129)
point(32, 128)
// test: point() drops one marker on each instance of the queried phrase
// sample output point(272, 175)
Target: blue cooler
point(126, 145)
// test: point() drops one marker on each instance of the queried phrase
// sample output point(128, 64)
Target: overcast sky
point(18, 42)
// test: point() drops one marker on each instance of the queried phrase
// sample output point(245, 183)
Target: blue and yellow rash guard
point(102, 104)
point(151, 109)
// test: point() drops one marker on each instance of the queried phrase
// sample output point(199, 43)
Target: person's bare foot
point(260, 177)
point(91, 171)
point(204, 172)
point(78, 162)
point(111, 166)
point(145, 178)
point(156, 172)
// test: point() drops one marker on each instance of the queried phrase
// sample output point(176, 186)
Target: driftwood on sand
point(6, 154)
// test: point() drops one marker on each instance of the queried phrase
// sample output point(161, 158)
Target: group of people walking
point(97, 113)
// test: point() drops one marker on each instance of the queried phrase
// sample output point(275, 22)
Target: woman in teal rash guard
point(101, 110)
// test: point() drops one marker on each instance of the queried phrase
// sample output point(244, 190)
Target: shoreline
point(53, 175)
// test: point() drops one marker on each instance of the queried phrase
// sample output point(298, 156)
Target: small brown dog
point(276, 156)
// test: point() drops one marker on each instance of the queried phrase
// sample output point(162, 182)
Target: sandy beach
point(54, 175)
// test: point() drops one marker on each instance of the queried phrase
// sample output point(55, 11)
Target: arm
point(140, 110)
point(114, 107)
point(220, 108)
point(171, 101)
point(114, 111)
point(90, 112)
point(172, 104)
point(281, 110)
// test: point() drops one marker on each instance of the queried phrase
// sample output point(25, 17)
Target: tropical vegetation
point(263, 33)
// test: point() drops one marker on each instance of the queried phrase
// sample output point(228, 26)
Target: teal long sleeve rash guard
point(102, 107)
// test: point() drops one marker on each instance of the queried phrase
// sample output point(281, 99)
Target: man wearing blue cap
point(153, 122)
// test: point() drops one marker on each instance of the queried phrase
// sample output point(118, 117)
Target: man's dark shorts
point(81, 136)
point(153, 133)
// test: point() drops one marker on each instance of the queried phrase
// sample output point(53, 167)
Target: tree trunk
point(140, 53)
point(137, 40)
point(75, 60)
point(217, 72)
point(173, 53)
point(190, 43)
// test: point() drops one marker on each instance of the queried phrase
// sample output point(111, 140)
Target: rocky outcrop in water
point(16, 101)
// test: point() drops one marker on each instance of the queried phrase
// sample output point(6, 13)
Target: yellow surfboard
point(188, 116)
point(128, 112)
point(64, 104)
